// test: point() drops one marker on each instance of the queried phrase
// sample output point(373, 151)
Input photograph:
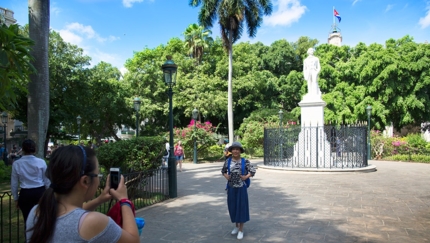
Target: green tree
point(231, 16)
point(197, 40)
point(109, 105)
point(15, 64)
point(68, 72)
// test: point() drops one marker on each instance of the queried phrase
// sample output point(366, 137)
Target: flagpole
point(332, 14)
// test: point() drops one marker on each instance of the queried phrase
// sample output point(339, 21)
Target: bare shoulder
point(93, 224)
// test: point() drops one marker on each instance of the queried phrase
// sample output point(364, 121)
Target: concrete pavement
point(389, 205)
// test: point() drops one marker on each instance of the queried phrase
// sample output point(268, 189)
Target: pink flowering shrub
point(387, 147)
point(204, 135)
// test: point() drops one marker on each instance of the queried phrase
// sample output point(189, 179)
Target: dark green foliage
point(15, 64)
point(5, 172)
point(251, 130)
point(136, 154)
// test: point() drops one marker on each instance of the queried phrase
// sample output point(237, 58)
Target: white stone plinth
point(312, 148)
point(312, 114)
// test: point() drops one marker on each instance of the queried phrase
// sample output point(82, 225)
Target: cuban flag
point(337, 15)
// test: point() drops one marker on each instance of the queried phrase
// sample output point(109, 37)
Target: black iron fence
point(325, 147)
point(144, 188)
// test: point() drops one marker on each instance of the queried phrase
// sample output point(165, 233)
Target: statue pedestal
point(312, 111)
point(312, 148)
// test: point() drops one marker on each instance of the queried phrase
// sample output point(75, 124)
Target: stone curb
point(369, 168)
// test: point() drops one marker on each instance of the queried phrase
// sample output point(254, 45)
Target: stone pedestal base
point(312, 111)
point(312, 148)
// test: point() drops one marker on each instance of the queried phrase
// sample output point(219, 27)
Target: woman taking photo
point(62, 214)
point(237, 191)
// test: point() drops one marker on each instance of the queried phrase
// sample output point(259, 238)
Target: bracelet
point(125, 204)
point(125, 200)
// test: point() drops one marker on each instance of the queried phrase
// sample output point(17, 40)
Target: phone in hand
point(115, 177)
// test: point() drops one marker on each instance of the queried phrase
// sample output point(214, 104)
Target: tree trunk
point(38, 88)
point(230, 88)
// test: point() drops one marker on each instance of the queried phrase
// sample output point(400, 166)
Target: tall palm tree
point(197, 39)
point(231, 15)
point(38, 87)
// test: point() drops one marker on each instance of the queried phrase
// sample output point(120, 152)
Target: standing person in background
point(166, 155)
point(227, 154)
point(167, 146)
point(29, 172)
point(3, 154)
point(237, 191)
point(62, 214)
point(179, 154)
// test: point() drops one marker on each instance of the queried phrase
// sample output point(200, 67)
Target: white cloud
point(86, 38)
point(355, 1)
point(425, 21)
point(129, 3)
point(288, 12)
point(55, 10)
point(69, 36)
point(389, 7)
point(76, 32)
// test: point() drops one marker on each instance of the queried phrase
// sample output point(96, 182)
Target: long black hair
point(66, 166)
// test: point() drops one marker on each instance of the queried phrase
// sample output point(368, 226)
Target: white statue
point(311, 68)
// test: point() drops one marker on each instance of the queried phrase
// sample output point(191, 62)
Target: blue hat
point(236, 145)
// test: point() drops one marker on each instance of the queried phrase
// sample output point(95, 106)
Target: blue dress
point(237, 192)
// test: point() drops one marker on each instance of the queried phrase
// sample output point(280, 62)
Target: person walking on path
point(62, 214)
point(29, 172)
point(237, 191)
point(179, 154)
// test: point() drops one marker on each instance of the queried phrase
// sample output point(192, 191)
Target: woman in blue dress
point(237, 191)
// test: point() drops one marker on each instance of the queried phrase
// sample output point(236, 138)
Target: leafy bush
point(417, 143)
point(205, 135)
point(5, 172)
point(251, 130)
point(399, 148)
point(214, 152)
point(412, 157)
point(136, 154)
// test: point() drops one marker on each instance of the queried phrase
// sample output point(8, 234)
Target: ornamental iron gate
point(325, 147)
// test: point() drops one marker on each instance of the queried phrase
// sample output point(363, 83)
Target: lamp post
point(281, 151)
point(136, 104)
point(169, 73)
point(78, 121)
point(369, 112)
point(195, 116)
point(4, 120)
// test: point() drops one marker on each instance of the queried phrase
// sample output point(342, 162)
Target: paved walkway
point(389, 205)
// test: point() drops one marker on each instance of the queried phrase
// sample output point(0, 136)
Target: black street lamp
point(4, 120)
point(281, 150)
point(136, 104)
point(78, 121)
point(195, 116)
point(369, 112)
point(169, 73)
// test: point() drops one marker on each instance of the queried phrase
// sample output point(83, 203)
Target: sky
point(112, 30)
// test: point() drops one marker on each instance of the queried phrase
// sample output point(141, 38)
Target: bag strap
point(243, 166)
point(228, 165)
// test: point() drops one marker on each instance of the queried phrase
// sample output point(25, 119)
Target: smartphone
point(115, 177)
